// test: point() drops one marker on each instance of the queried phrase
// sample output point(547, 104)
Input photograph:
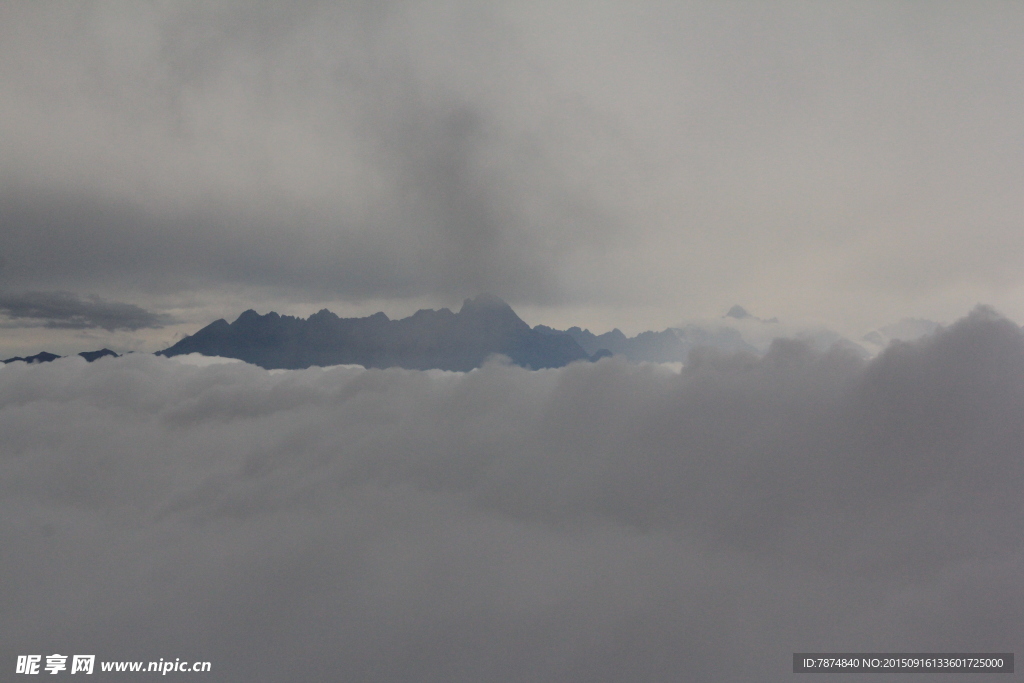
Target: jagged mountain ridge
point(484, 326)
point(46, 356)
point(428, 339)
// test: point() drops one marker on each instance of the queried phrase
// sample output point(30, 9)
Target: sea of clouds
point(599, 522)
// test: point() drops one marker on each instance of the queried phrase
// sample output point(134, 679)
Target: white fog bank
point(599, 522)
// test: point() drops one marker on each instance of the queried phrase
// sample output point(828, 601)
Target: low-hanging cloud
point(598, 522)
point(68, 310)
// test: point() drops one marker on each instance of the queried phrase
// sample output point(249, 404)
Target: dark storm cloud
point(599, 522)
point(67, 310)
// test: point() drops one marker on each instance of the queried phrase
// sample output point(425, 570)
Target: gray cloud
point(68, 310)
point(304, 150)
point(602, 521)
point(677, 157)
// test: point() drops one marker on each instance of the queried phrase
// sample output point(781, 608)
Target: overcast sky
point(604, 521)
point(633, 163)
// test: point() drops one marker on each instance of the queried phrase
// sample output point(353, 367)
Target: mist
point(604, 521)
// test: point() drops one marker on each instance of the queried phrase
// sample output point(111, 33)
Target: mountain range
point(483, 327)
point(428, 339)
point(46, 356)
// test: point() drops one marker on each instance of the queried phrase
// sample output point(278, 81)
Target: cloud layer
point(801, 160)
point(66, 310)
point(599, 522)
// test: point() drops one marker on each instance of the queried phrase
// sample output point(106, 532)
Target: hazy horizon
point(755, 330)
point(630, 165)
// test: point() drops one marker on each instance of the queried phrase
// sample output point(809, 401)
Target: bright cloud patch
point(599, 522)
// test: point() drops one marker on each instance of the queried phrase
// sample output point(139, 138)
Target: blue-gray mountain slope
point(428, 339)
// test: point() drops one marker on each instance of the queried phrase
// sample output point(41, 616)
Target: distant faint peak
point(737, 312)
point(484, 302)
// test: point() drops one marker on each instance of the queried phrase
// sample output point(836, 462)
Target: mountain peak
point(488, 312)
point(248, 316)
point(737, 312)
point(485, 302)
point(323, 313)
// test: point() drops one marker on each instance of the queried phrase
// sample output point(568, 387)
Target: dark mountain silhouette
point(93, 355)
point(484, 326)
point(46, 357)
point(41, 357)
point(428, 339)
